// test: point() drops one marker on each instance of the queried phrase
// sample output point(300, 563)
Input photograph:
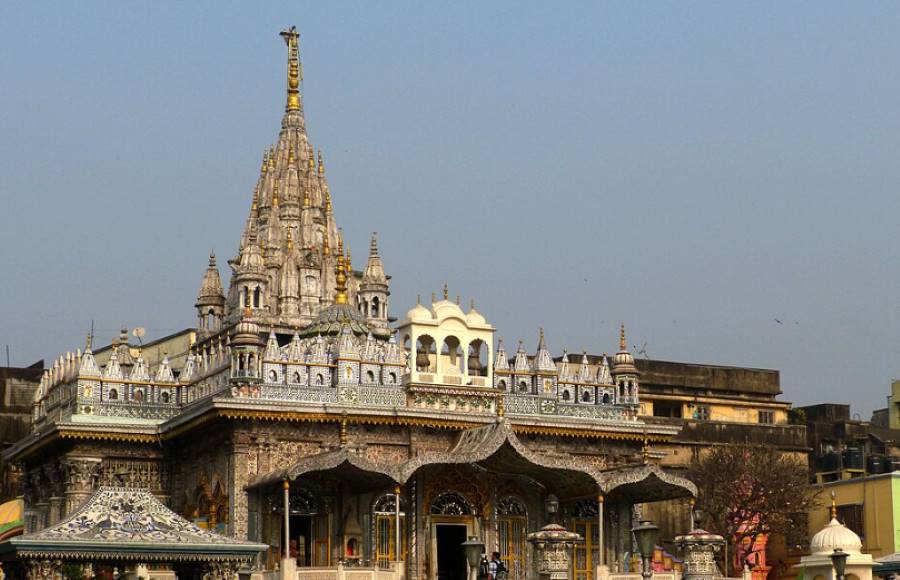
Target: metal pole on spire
point(291, 37)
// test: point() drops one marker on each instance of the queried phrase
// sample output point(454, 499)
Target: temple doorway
point(451, 560)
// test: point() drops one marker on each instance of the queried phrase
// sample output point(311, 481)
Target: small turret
point(372, 298)
point(624, 373)
point(210, 299)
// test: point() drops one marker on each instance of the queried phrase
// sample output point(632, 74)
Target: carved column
point(42, 499)
point(238, 508)
point(553, 548)
point(43, 569)
point(81, 480)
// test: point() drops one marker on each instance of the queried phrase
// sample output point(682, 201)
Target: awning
point(124, 524)
point(495, 448)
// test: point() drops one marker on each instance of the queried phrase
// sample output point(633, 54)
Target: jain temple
point(309, 428)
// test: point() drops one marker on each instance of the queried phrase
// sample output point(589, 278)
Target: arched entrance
point(512, 527)
point(451, 524)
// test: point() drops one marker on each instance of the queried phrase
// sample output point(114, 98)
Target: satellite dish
point(139, 332)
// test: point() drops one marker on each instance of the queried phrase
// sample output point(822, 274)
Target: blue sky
point(695, 170)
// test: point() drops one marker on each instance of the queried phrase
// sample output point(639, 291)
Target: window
point(501, 385)
point(113, 394)
point(320, 380)
point(701, 412)
point(273, 376)
point(523, 386)
point(370, 377)
point(586, 396)
point(450, 503)
point(256, 297)
point(165, 397)
point(766, 417)
point(297, 377)
point(392, 378)
point(852, 516)
point(566, 395)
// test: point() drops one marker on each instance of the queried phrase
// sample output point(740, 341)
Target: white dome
point(475, 317)
point(419, 312)
point(833, 536)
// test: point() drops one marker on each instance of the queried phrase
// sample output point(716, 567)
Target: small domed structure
point(836, 536)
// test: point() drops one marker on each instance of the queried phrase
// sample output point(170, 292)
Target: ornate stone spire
point(211, 293)
point(291, 38)
point(542, 359)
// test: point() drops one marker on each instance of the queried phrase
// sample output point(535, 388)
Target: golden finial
point(446, 292)
point(272, 157)
point(622, 344)
point(306, 201)
point(348, 264)
point(293, 92)
point(325, 249)
point(265, 162)
point(833, 506)
point(327, 200)
point(255, 203)
point(645, 450)
point(291, 154)
point(341, 279)
point(290, 239)
point(321, 163)
point(275, 194)
point(340, 242)
point(311, 164)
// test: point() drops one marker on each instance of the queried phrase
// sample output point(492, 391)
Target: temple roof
point(117, 523)
point(496, 448)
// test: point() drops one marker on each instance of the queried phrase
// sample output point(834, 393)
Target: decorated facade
point(304, 419)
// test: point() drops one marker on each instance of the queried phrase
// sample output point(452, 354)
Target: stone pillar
point(43, 569)
point(553, 551)
point(55, 510)
point(699, 551)
point(239, 506)
point(81, 479)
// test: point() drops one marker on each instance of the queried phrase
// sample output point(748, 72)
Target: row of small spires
point(74, 365)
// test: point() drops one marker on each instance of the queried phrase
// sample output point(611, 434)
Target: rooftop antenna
point(139, 333)
point(7, 355)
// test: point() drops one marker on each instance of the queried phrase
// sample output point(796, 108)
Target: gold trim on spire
point(271, 157)
point(290, 239)
point(328, 207)
point(833, 506)
point(325, 249)
point(341, 280)
point(321, 163)
point(265, 162)
point(623, 345)
point(340, 243)
point(275, 194)
point(291, 154)
point(291, 38)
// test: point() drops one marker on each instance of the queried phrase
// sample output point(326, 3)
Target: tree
point(749, 491)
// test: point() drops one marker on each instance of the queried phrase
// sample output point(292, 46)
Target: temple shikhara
point(303, 430)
